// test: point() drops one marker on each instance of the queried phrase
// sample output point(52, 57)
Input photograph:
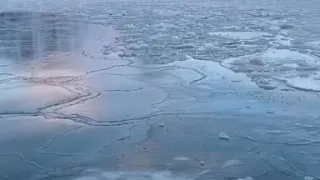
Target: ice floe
point(233, 162)
point(308, 178)
point(240, 35)
point(311, 83)
point(181, 158)
point(270, 68)
point(224, 136)
point(247, 178)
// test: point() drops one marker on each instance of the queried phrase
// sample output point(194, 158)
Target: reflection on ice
point(27, 36)
point(75, 96)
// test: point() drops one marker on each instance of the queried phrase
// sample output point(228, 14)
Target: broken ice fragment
point(277, 132)
point(271, 111)
point(181, 158)
point(224, 136)
point(247, 178)
point(308, 178)
point(161, 125)
point(233, 162)
point(257, 62)
point(201, 163)
point(286, 26)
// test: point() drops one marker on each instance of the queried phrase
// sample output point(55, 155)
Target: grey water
point(159, 90)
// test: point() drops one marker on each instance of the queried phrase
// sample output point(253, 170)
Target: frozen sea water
point(240, 35)
point(96, 175)
point(119, 89)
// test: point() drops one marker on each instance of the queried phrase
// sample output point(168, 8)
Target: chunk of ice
point(224, 136)
point(308, 178)
point(307, 84)
point(240, 35)
point(247, 178)
point(233, 162)
point(181, 158)
point(271, 111)
point(284, 55)
point(277, 132)
point(202, 163)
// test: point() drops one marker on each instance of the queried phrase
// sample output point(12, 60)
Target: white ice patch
point(247, 178)
point(240, 35)
point(272, 58)
point(103, 175)
point(274, 66)
point(160, 125)
point(181, 158)
point(213, 70)
point(233, 162)
point(223, 136)
point(308, 178)
point(285, 55)
point(311, 83)
point(277, 132)
point(282, 40)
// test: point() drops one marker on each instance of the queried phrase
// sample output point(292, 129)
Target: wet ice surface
point(150, 90)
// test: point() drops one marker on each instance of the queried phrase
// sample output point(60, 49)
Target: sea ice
point(233, 162)
point(307, 84)
point(240, 35)
point(308, 178)
point(247, 178)
point(224, 136)
point(181, 158)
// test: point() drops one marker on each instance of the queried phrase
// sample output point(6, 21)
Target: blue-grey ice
point(159, 90)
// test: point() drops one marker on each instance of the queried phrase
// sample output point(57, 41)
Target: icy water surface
point(159, 90)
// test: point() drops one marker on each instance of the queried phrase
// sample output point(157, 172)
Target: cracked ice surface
point(141, 89)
